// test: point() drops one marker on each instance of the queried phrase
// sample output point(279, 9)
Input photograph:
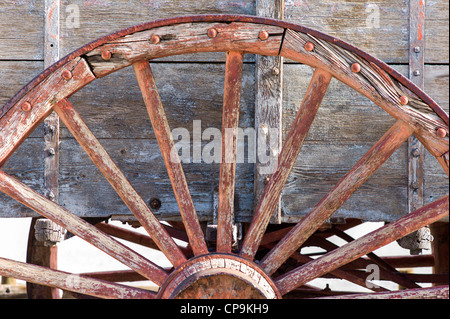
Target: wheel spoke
point(440, 292)
point(163, 134)
point(72, 282)
point(81, 228)
point(230, 123)
point(133, 236)
point(358, 174)
point(291, 148)
point(364, 245)
point(119, 182)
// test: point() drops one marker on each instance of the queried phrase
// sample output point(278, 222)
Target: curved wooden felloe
point(415, 112)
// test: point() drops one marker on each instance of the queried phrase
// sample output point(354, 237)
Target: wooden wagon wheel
point(222, 273)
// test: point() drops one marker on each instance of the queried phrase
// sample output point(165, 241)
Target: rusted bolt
point(155, 203)
point(415, 152)
point(441, 132)
point(356, 67)
point(106, 55)
point(263, 35)
point(155, 39)
point(26, 107)
point(309, 46)
point(67, 75)
point(212, 33)
point(404, 100)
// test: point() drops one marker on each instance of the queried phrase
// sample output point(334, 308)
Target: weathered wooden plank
point(98, 18)
point(22, 28)
point(82, 184)
point(268, 106)
point(377, 27)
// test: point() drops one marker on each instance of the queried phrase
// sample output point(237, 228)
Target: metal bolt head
point(26, 107)
point(441, 132)
point(309, 46)
point(67, 75)
point(51, 151)
point(266, 180)
point(415, 152)
point(263, 35)
point(155, 203)
point(404, 100)
point(106, 55)
point(212, 33)
point(275, 71)
point(416, 72)
point(356, 67)
point(155, 39)
point(417, 49)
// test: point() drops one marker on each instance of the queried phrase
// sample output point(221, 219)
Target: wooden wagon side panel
point(346, 125)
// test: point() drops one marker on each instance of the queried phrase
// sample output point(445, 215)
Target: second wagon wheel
point(201, 271)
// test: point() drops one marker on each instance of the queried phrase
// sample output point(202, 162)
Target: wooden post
point(43, 252)
point(416, 75)
point(268, 107)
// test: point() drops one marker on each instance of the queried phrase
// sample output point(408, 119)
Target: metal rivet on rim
point(155, 39)
point(356, 67)
point(309, 46)
point(26, 107)
point(106, 55)
point(263, 35)
point(404, 100)
point(67, 75)
point(441, 132)
point(212, 33)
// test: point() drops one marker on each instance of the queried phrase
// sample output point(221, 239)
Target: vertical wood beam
point(416, 75)
point(268, 107)
point(42, 253)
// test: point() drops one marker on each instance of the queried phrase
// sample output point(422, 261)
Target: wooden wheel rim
point(416, 113)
